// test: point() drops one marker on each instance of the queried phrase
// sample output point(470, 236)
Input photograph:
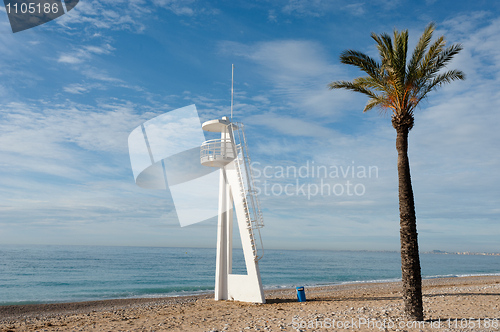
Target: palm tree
point(398, 85)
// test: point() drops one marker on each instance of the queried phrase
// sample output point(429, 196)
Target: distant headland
point(462, 253)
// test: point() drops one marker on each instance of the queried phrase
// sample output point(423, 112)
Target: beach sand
point(450, 304)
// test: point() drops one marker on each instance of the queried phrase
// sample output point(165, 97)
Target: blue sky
point(73, 89)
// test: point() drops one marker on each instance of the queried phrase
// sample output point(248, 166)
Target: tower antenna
point(232, 90)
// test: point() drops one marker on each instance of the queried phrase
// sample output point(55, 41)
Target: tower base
point(228, 286)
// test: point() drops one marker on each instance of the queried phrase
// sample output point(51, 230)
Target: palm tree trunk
point(410, 262)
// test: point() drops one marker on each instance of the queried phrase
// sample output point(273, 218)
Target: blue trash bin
point(301, 294)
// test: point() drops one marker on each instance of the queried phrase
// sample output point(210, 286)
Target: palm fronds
point(397, 82)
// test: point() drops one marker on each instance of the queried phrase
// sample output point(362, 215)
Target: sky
point(72, 90)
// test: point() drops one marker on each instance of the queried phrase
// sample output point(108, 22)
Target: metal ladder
point(251, 205)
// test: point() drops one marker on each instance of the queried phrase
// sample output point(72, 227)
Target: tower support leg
point(224, 238)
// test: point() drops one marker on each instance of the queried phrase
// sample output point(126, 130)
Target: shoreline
point(444, 298)
point(271, 289)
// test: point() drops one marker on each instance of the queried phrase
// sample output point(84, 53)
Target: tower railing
point(216, 149)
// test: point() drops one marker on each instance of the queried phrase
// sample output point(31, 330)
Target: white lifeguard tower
point(236, 185)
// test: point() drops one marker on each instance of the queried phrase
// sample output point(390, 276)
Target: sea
point(48, 273)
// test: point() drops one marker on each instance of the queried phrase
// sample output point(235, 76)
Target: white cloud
point(319, 8)
point(116, 15)
point(271, 17)
point(308, 7)
point(100, 75)
point(299, 70)
point(187, 7)
point(289, 60)
point(126, 14)
point(79, 56)
point(84, 53)
point(178, 7)
point(355, 8)
point(76, 88)
point(71, 59)
point(49, 132)
point(291, 126)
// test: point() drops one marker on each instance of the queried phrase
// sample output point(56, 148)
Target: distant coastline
point(440, 252)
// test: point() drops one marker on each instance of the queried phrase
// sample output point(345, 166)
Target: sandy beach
point(450, 304)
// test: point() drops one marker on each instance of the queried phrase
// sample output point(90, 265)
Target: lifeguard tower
point(236, 185)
